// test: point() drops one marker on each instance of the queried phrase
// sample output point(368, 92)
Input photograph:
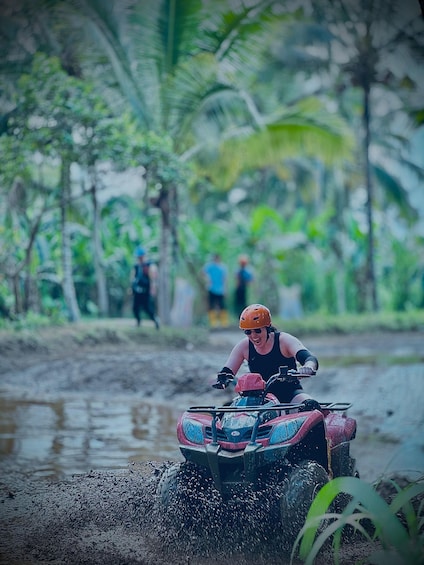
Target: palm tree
point(376, 47)
point(186, 68)
point(183, 65)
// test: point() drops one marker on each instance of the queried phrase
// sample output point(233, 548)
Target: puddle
point(58, 439)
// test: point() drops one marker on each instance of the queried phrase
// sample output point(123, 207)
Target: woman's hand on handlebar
point(306, 371)
point(285, 373)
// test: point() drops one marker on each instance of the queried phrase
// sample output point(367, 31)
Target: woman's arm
point(238, 354)
point(291, 346)
point(232, 365)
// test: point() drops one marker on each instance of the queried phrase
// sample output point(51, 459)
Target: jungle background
point(287, 130)
point(290, 131)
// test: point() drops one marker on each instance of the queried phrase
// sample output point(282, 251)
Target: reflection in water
point(55, 439)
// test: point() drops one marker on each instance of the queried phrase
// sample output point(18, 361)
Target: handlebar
point(285, 373)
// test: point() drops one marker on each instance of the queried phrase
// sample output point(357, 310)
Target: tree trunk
point(164, 295)
point(17, 294)
point(102, 295)
point(68, 281)
point(371, 289)
point(164, 301)
point(340, 287)
point(31, 297)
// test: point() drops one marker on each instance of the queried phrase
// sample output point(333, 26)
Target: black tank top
point(268, 364)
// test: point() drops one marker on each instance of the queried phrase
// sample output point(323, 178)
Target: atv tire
point(303, 484)
point(182, 495)
point(167, 489)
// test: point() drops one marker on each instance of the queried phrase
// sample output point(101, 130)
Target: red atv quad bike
point(255, 443)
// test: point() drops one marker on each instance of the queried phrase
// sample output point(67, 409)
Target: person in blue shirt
point(215, 273)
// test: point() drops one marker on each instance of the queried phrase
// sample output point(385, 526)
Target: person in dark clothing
point(142, 289)
point(266, 349)
point(244, 277)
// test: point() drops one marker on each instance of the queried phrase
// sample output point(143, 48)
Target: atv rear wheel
point(303, 484)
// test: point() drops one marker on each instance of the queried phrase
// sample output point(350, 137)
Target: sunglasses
point(256, 331)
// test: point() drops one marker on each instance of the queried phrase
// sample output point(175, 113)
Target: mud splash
point(110, 518)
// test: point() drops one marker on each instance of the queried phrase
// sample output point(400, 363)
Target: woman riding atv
point(266, 350)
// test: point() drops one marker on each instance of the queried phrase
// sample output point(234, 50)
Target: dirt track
point(108, 517)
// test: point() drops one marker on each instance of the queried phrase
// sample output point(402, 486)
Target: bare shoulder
point(238, 354)
point(243, 347)
point(289, 344)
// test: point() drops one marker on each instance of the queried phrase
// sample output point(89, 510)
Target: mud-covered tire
point(303, 484)
point(167, 489)
point(182, 494)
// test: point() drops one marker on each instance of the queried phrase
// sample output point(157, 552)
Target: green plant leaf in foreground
point(399, 545)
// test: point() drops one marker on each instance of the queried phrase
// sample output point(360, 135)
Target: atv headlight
point(193, 431)
point(286, 430)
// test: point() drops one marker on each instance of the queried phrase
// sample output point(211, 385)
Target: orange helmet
point(255, 316)
point(243, 260)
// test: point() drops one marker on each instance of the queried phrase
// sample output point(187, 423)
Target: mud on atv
point(279, 454)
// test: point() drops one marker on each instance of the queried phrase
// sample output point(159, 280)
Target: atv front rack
point(215, 411)
point(260, 408)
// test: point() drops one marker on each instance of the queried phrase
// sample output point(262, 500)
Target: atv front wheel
point(182, 494)
point(168, 487)
point(303, 484)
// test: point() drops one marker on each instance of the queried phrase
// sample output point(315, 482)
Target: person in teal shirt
point(215, 273)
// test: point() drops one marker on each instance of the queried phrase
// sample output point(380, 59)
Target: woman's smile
point(258, 337)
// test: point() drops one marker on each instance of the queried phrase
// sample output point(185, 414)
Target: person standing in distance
point(215, 274)
point(142, 288)
point(244, 277)
point(266, 349)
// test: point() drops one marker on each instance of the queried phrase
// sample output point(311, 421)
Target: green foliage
point(32, 320)
point(188, 78)
point(60, 115)
point(398, 526)
point(402, 281)
point(306, 130)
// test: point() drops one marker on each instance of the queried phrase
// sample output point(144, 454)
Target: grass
point(36, 331)
point(385, 360)
point(398, 526)
point(37, 334)
point(412, 320)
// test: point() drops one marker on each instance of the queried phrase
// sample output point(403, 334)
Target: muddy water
point(65, 437)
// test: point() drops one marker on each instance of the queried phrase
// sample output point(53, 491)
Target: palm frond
point(320, 135)
point(395, 191)
point(106, 25)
